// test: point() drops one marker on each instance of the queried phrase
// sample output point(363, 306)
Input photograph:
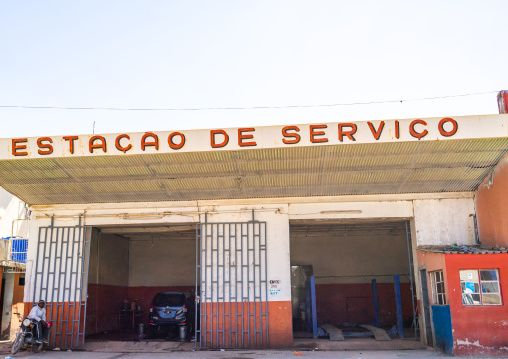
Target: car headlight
point(155, 318)
point(26, 322)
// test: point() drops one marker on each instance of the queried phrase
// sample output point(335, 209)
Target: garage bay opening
point(142, 283)
point(352, 283)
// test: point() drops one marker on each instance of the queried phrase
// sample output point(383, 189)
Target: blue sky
point(193, 54)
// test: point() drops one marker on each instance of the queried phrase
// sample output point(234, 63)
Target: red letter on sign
point(285, 133)
point(242, 137)
point(176, 146)
point(415, 134)
point(102, 145)
point(212, 138)
point(317, 133)
point(448, 133)
point(119, 147)
point(397, 134)
point(349, 134)
point(71, 140)
point(16, 147)
point(377, 133)
point(154, 143)
point(45, 149)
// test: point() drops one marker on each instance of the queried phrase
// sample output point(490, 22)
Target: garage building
point(235, 218)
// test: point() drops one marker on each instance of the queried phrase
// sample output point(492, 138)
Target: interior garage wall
point(107, 281)
point(165, 263)
point(345, 264)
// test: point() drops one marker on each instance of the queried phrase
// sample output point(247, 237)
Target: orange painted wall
point(492, 207)
point(433, 262)
point(280, 334)
point(480, 330)
point(18, 305)
point(104, 316)
point(62, 316)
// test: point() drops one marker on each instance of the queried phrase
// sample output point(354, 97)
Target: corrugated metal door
point(232, 281)
point(61, 276)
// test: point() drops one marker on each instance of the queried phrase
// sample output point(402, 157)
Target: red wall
point(492, 207)
point(103, 304)
point(481, 330)
point(353, 303)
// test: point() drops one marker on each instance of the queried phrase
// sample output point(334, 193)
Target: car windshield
point(169, 300)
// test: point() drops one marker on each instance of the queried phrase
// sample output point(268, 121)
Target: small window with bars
point(480, 287)
point(438, 288)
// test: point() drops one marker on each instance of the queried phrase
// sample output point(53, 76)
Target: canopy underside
point(326, 170)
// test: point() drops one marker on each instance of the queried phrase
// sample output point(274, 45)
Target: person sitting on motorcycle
point(38, 313)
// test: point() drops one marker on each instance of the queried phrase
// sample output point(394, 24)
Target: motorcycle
point(27, 335)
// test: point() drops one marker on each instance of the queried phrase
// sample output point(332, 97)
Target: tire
point(18, 343)
point(37, 347)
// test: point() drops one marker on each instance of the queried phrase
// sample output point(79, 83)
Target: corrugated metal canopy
point(376, 168)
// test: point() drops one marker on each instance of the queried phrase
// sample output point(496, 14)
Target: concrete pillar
point(7, 311)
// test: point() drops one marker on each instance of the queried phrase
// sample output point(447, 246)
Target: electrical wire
point(244, 108)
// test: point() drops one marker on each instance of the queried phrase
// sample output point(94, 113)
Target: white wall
point(12, 221)
point(277, 241)
point(5, 199)
point(351, 210)
point(162, 262)
point(54, 264)
point(444, 221)
point(352, 258)
point(7, 308)
point(109, 259)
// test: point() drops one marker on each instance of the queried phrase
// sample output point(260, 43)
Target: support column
point(398, 303)
point(376, 304)
point(314, 311)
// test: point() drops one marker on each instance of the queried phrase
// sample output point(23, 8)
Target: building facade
point(230, 215)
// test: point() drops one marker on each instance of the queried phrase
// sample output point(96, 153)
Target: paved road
point(233, 354)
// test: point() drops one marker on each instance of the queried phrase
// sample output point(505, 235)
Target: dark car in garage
point(169, 311)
